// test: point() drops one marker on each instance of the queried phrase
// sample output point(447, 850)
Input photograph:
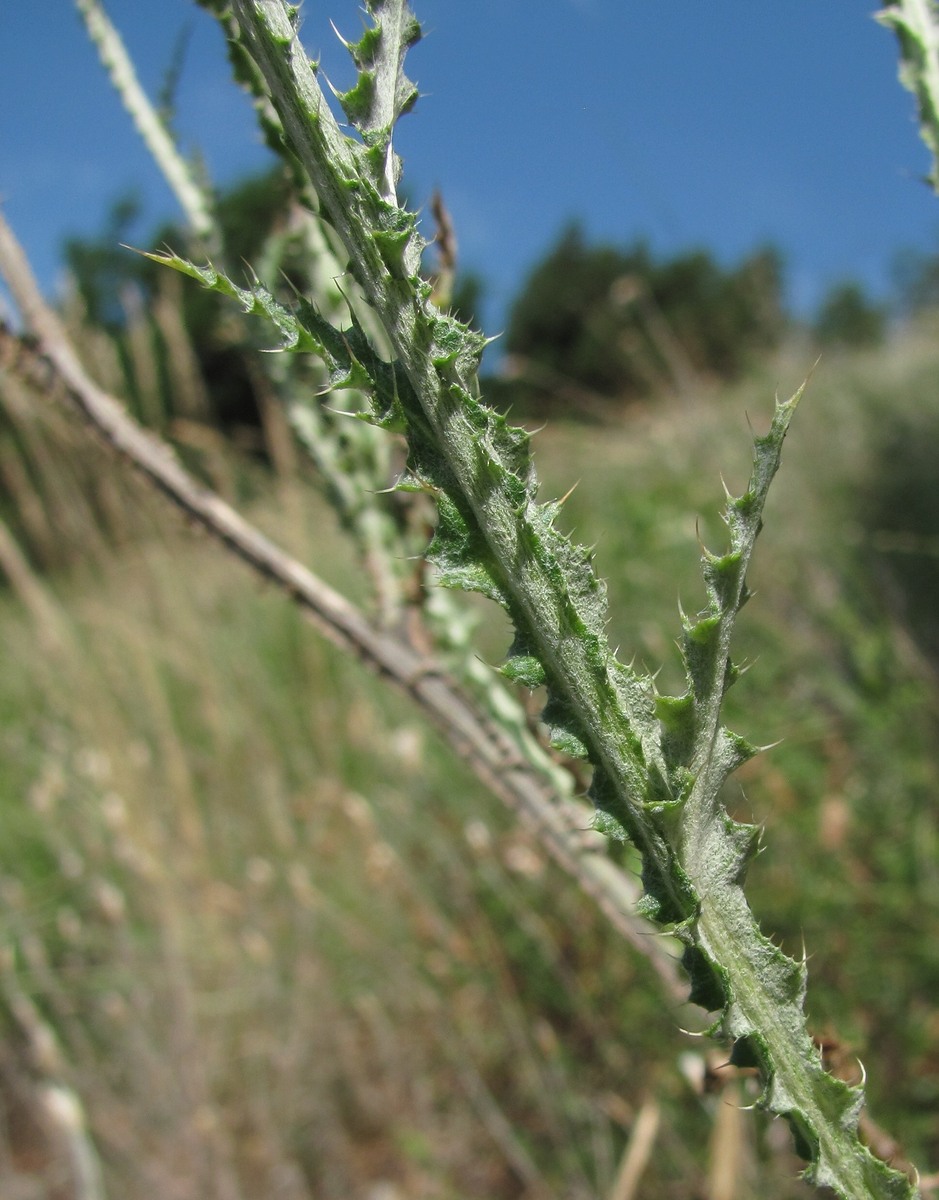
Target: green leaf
point(382, 92)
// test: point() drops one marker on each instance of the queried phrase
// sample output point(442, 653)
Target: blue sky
point(717, 123)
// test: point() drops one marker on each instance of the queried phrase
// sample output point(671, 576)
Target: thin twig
point(562, 827)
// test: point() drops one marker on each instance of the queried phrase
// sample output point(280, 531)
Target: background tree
point(848, 317)
point(596, 323)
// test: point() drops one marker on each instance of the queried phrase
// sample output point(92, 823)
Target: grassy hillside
point(284, 945)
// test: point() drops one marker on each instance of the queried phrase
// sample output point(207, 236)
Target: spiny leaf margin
point(382, 92)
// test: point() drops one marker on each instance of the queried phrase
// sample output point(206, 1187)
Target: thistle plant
point(658, 763)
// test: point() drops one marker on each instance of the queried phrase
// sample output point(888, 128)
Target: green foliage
point(595, 323)
point(722, 318)
point(848, 318)
point(564, 317)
